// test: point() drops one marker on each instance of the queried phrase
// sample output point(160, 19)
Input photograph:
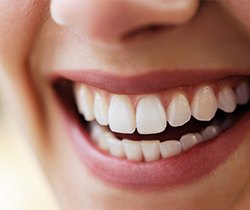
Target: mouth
point(149, 132)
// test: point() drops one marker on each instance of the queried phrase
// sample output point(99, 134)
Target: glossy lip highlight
point(180, 170)
point(151, 82)
point(183, 169)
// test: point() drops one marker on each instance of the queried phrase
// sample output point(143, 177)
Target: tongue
point(170, 133)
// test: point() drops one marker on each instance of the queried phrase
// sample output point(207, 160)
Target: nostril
point(148, 30)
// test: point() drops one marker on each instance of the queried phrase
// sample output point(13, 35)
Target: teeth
point(116, 147)
point(121, 115)
point(150, 150)
point(101, 109)
point(84, 100)
point(150, 115)
point(170, 148)
point(243, 93)
point(204, 104)
point(189, 140)
point(227, 100)
point(210, 132)
point(132, 150)
point(178, 112)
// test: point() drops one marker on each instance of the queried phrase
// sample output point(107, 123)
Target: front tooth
point(116, 147)
point(178, 112)
point(204, 104)
point(170, 148)
point(189, 140)
point(121, 114)
point(227, 99)
point(150, 115)
point(84, 100)
point(151, 150)
point(132, 150)
point(210, 132)
point(243, 93)
point(101, 109)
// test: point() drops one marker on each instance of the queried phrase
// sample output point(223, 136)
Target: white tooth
point(170, 148)
point(178, 112)
point(97, 131)
point(132, 150)
point(210, 132)
point(151, 150)
point(103, 141)
point(227, 99)
point(101, 109)
point(204, 104)
point(243, 93)
point(116, 147)
point(84, 100)
point(121, 115)
point(189, 140)
point(150, 115)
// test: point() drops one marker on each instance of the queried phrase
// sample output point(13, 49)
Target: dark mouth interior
point(64, 93)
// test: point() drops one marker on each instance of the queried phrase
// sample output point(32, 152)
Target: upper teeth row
point(149, 115)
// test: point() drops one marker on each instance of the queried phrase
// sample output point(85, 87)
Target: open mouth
point(154, 127)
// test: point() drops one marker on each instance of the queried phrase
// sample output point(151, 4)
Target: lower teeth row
point(151, 150)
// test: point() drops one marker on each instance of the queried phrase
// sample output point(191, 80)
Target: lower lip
point(179, 170)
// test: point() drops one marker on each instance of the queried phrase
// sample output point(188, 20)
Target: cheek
point(240, 9)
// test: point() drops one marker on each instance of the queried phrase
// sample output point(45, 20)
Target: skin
point(34, 43)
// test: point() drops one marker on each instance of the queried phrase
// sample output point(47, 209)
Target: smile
point(180, 125)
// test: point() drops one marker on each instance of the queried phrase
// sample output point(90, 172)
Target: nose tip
point(108, 21)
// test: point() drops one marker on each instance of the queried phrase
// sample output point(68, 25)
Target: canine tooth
point(243, 93)
point(121, 114)
point(210, 132)
point(170, 148)
point(178, 112)
point(204, 104)
point(132, 150)
point(84, 100)
point(101, 109)
point(150, 115)
point(116, 147)
point(227, 99)
point(151, 150)
point(189, 140)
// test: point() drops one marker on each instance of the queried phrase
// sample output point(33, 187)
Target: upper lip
point(152, 81)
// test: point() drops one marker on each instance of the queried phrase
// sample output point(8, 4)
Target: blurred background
point(23, 185)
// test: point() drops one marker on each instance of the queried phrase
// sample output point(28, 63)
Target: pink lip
point(180, 170)
point(145, 83)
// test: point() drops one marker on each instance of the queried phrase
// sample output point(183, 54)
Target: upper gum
point(166, 95)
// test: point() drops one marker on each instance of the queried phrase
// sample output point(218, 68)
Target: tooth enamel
point(210, 132)
point(132, 150)
point(103, 141)
point(121, 115)
point(227, 123)
point(150, 115)
point(97, 131)
point(84, 100)
point(170, 148)
point(101, 109)
point(150, 150)
point(204, 104)
point(189, 140)
point(227, 100)
point(178, 112)
point(243, 93)
point(116, 147)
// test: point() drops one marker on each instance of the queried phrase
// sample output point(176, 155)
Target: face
point(133, 104)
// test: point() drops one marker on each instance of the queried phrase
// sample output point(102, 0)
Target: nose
point(111, 20)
